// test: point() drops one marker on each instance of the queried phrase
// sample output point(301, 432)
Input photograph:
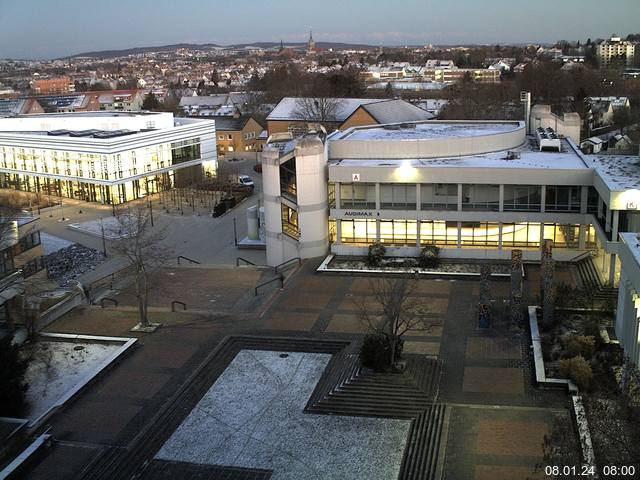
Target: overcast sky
point(54, 28)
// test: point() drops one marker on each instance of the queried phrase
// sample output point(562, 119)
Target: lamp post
point(151, 211)
point(104, 241)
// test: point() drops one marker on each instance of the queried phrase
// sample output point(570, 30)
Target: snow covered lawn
point(55, 367)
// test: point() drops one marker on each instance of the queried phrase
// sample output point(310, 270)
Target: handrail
point(110, 275)
point(279, 277)
point(188, 259)
point(298, 259)
point(581, 256)
point(173, 305)
point(244, 260)
point(115, 302)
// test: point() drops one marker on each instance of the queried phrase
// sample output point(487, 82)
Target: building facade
point(615, 51)
point(104, 157)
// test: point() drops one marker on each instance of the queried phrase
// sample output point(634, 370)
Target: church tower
point(311, 44)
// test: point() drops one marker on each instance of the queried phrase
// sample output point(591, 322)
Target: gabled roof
point(394, 111)
point(287, 108)
point(225, 123)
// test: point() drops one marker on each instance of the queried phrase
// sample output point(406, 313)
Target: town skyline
point(413, 23)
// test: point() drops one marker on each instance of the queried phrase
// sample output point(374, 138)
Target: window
point(185, 150)
point(521, 235)
point(481, 197)
point(229, 137)
point(522, 198)
point(331, 195)
point(398, 196)
point(398, 232)
point(290, 221)
point(439, 233)
point(288, 186)
point(220, 137)
point(357, 195)
point(479, 234)
point(357, 231)
point(562, 199)
point(563, 235)
point(29, 241)
point(439, 196)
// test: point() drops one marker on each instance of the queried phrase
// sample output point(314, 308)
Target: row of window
point(444, 196)
point(477, 234)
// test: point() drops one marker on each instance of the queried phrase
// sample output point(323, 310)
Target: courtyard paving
point(498, 418)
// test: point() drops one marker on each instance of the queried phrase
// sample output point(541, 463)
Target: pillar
point(584, 199)
point(338, 195)
point(543, 195)
point(378, 202)
point(614, 225)
point(612, 269)
point(501, 198)
point(418, 198)
point(582, 234)
point(459, 197)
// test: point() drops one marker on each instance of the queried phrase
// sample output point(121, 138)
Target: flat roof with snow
point(428, 130)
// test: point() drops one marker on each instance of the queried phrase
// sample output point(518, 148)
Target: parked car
point(245, 180)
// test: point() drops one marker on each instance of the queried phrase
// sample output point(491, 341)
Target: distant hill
point(166, 48)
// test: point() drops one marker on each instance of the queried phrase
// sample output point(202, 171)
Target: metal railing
point(178, 302)
point(238, 259)
point(187, 259)
point(283, 264)
point(278, 278)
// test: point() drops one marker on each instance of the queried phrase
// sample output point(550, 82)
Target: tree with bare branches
point(395, 312)
point(322, 110)
point(141, 245)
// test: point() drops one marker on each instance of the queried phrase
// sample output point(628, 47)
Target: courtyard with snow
point(252, 417)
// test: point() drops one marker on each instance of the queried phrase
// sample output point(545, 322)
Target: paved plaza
point(496, 417)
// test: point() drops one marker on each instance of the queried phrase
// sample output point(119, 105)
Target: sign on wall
point(355, 177)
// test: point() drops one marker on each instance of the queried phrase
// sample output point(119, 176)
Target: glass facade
point(398, 196)
point(562, 199)
point(479, 234)
point(399, 232)
point(358, 231)
point(358, 195)
point(481, 197)
point(522, 198)
point(289, 221)
point(74, 174)
point(439, 196)
point(439, 233)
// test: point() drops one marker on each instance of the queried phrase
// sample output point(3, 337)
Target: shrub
point(568, 296)
point(376, 254)
point(375, 352)
point(578, 370)
point(12, 370)
point(579, 345)
point(429, 257)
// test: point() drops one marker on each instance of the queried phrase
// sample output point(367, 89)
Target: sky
point(55, 28)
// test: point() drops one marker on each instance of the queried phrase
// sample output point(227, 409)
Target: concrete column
point(612, 269)
point(459, 242)
point(600, 206)
point(500, 236)
point(378, 198)
point(584, 198)
point(459, 198)
point(582, 233)
point(607, 220)
point(418, 233)
point(614, 226)
point(377, 230)
point(623, 292)
point(338, 231)
point(418, 198)
point(338, 195)
point(543, 194)
point(501, 198)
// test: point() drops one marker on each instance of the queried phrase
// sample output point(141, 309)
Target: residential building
point(48, 86)
point(106, 157)
point(121, 100)
point(615, 51)
point(214, 105)
point(455, 75)
point(599, 111)
point(237, 135)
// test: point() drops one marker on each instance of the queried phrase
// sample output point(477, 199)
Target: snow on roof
point(286, 108)
point(619, 172)
point(530, 157)
point(392, 111)
point(430, 130)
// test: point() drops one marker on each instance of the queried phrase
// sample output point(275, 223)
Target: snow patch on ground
point(52, 244)
point(57, 367)
point(252, 417)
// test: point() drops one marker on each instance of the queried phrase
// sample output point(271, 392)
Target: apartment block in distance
point(615, 51)
point(106, 157)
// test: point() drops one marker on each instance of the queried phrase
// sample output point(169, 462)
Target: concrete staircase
point(591, 281)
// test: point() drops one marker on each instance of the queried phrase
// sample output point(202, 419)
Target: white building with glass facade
point(106, 157)
point(475, 189)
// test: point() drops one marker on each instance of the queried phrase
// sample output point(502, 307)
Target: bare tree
point(322, 110)
point(141, 244)
point(396, 312)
